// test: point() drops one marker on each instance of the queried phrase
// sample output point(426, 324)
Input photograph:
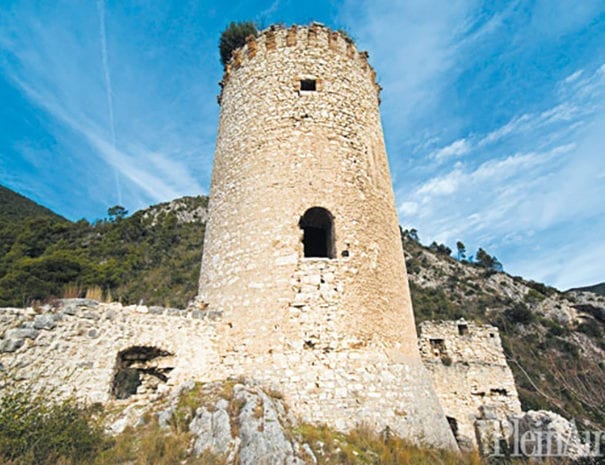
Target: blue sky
point(493, 113)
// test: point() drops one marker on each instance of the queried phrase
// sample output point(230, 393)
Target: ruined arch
point(140, 368)
point(317, 224)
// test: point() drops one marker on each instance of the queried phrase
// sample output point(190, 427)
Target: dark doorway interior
point(318, 233)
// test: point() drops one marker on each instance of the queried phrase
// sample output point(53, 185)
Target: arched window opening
point(318, 233)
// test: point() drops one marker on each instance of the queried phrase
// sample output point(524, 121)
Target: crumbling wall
point(113, 353)
point(474, 383)
point(74, 348)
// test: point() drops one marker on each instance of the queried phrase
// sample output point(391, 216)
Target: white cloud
point(506, 186)
point(455, 149)
point(514, 125)
point(408, 208)
point(574, 76)
point(413, 45)
point(443, 185)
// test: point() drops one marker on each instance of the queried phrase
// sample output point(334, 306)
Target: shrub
point(33, 431)
point(233, 37)
point(433, 304)
point(541, 288)
point(533, 296)
point(590, 329)
point(556, 330)
point(520, 314)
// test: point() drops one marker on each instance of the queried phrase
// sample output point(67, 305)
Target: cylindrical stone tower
point(302, 253)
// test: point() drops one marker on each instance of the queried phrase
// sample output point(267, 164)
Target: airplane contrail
point(108, 92)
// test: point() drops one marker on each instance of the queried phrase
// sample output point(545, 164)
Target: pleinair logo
point(542, 442)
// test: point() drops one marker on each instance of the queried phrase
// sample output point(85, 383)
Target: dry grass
point(72, 291)
point(149, 445)
point(365, 447)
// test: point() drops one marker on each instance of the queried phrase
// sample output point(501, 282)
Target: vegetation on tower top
point(234, 37)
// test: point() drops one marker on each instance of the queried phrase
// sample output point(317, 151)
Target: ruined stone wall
point(75, 349)
point(471, 377)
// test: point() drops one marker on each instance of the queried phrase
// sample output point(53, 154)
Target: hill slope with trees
point(597, 289)
point(152, 256)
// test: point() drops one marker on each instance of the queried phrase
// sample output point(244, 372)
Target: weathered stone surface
point(342, 388)
point(546, 434)
point(155, 310)
point(21, 333)
point(82, 355)
point(212, 430)
point(165, 416)
point(71, 306)
point(45, 321)
point(472, 379)
point(10, 345)
point(89, 315)
point(250, 425)
point(263, 439)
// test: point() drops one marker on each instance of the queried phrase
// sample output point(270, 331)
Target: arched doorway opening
point(318, 233)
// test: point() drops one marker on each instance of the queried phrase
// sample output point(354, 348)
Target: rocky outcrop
point(242, 423)
point(185, 209)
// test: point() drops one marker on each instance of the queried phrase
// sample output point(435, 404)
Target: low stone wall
point(73, 349)
point(107, 352)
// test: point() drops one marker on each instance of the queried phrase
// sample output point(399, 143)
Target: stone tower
point(302, 254)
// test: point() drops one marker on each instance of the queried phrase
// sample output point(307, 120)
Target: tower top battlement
point(314, 36)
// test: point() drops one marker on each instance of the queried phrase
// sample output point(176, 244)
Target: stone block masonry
point(303, 285)
point(474, 383)
point(79, 353)
point(112, 353)
point(302, 252)
point(136, 355)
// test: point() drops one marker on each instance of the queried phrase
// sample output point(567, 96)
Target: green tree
point(409, 234)
point(485, 260)
point(440, 249)
point(116, 213)
point(461, 250)
point(233, 37)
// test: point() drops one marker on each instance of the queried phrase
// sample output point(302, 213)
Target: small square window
point(308, 85)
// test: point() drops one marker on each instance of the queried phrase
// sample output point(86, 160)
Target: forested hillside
point(597, 289)
point(152, 256)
